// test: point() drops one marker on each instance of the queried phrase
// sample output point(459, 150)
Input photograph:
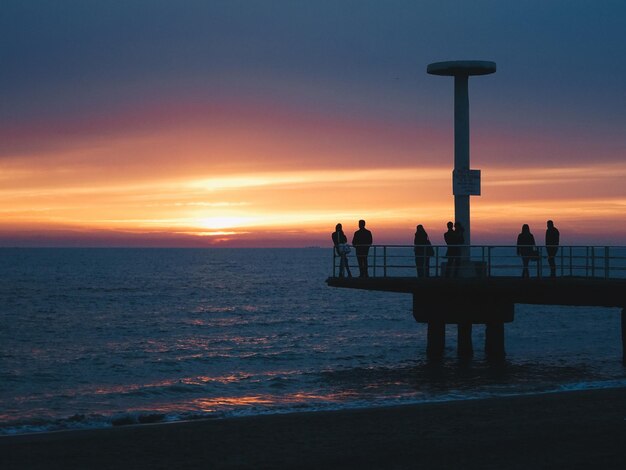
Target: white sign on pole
point(466, 182)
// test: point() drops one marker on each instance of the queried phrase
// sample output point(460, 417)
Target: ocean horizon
point(98, 337)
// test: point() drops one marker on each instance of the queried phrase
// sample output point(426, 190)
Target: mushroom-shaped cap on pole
point(462, 67)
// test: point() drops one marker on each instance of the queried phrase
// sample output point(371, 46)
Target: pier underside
point(488, 301)
point(545, 291)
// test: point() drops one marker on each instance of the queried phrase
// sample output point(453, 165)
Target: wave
point(255, 405)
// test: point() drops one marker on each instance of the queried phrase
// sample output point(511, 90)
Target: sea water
point(103, 337)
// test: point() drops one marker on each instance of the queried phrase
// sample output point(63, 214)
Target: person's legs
point(419, 264)
point(359, 259)
point(525, 261)
point(365, 266)
point(342, 264)
point(552, 261)
point(454, 265)
point(347, 265)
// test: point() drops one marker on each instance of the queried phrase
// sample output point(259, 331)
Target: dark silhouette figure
point(526, 248)
point(423, 252)
point(552, 246)
point(342, 249)
point(454, 238)
point(459, 232)
point(362, 240)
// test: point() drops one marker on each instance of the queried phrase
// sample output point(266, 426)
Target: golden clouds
point(292, 205)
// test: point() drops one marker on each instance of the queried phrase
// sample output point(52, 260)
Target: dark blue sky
point(558, 59)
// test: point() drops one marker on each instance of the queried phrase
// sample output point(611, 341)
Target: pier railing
point(491, 261)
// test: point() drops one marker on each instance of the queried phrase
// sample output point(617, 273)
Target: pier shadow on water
point(453, 379)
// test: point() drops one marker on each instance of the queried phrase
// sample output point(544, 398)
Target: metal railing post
point(374, 261)
point(539, 264)
point(607, 263)
point(571, 273)
point(385, 261)
point(593, 261)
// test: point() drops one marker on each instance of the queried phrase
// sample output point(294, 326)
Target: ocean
point(93, 338)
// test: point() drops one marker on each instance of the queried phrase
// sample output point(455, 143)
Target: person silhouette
point(459, 233)
point(423, 251)
point(362, 241)
point(453, 239)
point(552, 246)
point(526, 248)
point(340, 241)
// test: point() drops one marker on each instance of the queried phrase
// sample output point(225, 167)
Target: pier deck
point(542, 291)
point(486, 293)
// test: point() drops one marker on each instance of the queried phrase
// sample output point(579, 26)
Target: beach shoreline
point(577, 429)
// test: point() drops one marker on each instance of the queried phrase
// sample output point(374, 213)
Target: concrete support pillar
point(464, 339)
point(436, 339)
point(494, 341)
point(624, 336)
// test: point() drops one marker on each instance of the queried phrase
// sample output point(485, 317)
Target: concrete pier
point(471, 295)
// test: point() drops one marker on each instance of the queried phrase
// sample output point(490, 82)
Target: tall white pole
point(462, 150)
point(466, 183)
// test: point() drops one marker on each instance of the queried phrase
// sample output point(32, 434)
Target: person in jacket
point(423, 251)
point(362, 240)
point(454, 238)
point(552, 246)
point(526, 248)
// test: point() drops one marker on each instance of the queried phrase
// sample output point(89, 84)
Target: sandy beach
point(583, 429)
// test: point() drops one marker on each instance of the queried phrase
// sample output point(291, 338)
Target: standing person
point(552, 246)
point(459, 233)
point(340, 241)
point(362, 240)
point(526, 248)
point(453, 252)
point(423, 252)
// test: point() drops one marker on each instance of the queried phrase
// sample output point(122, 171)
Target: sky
point(198, 123)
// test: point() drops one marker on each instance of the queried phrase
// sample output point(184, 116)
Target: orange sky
point(275, 177)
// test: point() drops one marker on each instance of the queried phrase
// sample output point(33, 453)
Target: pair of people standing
point(362, 240)
point(423, 249)
point(527, 249)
